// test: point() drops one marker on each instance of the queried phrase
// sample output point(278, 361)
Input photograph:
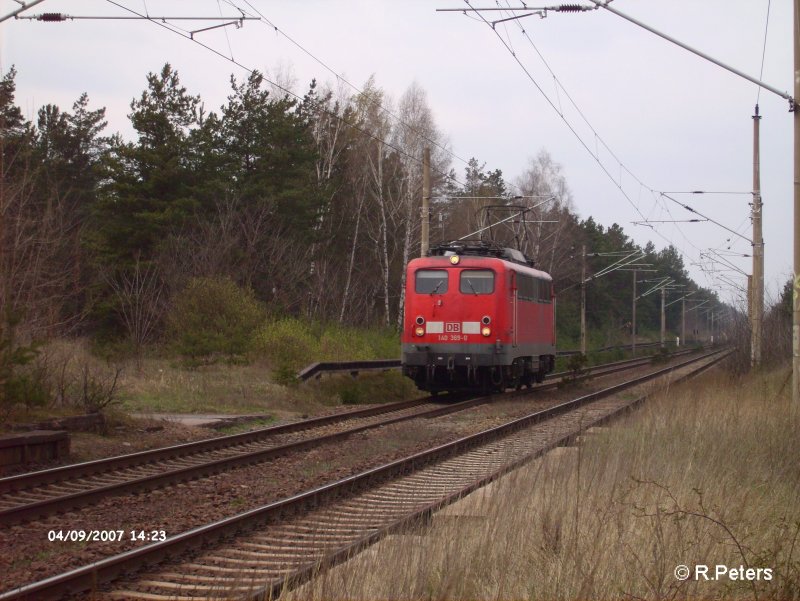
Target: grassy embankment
point(280, 349)
point(707, 474)
point(262, 381)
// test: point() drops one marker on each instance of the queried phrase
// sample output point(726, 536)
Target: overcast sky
point(673, 121)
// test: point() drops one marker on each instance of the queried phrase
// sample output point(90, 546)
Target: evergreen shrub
point(212, 317)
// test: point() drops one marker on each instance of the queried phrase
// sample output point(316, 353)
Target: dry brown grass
point(77, 380)
point(703, 475)
point(162, 385)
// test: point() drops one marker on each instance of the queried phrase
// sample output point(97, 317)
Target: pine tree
point(151, 189)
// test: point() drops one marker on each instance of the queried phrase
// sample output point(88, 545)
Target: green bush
point(21, 382)
point(290, 344)
point(214, 316)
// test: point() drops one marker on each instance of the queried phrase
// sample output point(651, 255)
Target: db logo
point(452, 327)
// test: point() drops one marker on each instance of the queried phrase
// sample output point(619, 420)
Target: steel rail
point(90, 576)
point(100, 466)
point(62, 503)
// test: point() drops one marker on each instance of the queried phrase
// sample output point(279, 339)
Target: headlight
point(486, 331)
point(420, 331)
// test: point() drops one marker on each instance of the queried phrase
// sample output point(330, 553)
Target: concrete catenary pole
point(796, 279)
point(683, 321)
point(426, 199)
point(750, 300)
point(757, 315)
point(663, 316)
point(633, 316)
point(583, 300)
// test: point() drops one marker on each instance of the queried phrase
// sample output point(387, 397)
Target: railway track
point(39, 494)
point(315, 370)
point(258, 553)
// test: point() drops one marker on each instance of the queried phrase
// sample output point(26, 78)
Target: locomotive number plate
point(452, 337)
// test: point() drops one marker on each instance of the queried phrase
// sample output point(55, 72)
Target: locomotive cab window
point(533, 289)
point(527, 287)
point(544, 292)
point(430, 281)
point(477, 281)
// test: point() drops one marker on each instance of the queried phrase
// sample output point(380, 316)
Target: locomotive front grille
point(481, 355)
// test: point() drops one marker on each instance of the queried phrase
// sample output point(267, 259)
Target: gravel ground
point(26, 554)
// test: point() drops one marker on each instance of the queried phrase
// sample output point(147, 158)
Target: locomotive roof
point(485, 250)
point(481, 249)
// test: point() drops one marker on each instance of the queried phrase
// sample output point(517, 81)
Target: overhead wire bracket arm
point(238, 22)
point(627, 260)
point(714, 256)
point(539, 11)
point(680, 299)
point(563, 8)
point(649, 221)
point(25, 6)
point(58, 17)
point(706, 217)
point(661, 284)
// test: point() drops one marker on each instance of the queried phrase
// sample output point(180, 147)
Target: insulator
point(571, 8)
point(52, 17)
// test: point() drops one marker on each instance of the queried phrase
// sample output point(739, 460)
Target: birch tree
point(414, 131)
point(549, 242)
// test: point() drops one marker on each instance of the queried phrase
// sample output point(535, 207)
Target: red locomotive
point(477, 316)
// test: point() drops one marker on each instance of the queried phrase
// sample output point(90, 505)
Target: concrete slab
point(32, 447)
point(209, 420)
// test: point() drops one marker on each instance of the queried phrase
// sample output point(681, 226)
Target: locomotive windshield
point(430, 281)
point(477, 281)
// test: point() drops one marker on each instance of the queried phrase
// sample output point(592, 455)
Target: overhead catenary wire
point(227, 37)
point(339, 77)
point(622, 166)
point(703, 55)
point(597, 137)
point(574, 104)
point(594, 155)
point(611, 169)
point(283, 89)
point(553, 106)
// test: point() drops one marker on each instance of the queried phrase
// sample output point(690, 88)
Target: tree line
point(310, 204)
